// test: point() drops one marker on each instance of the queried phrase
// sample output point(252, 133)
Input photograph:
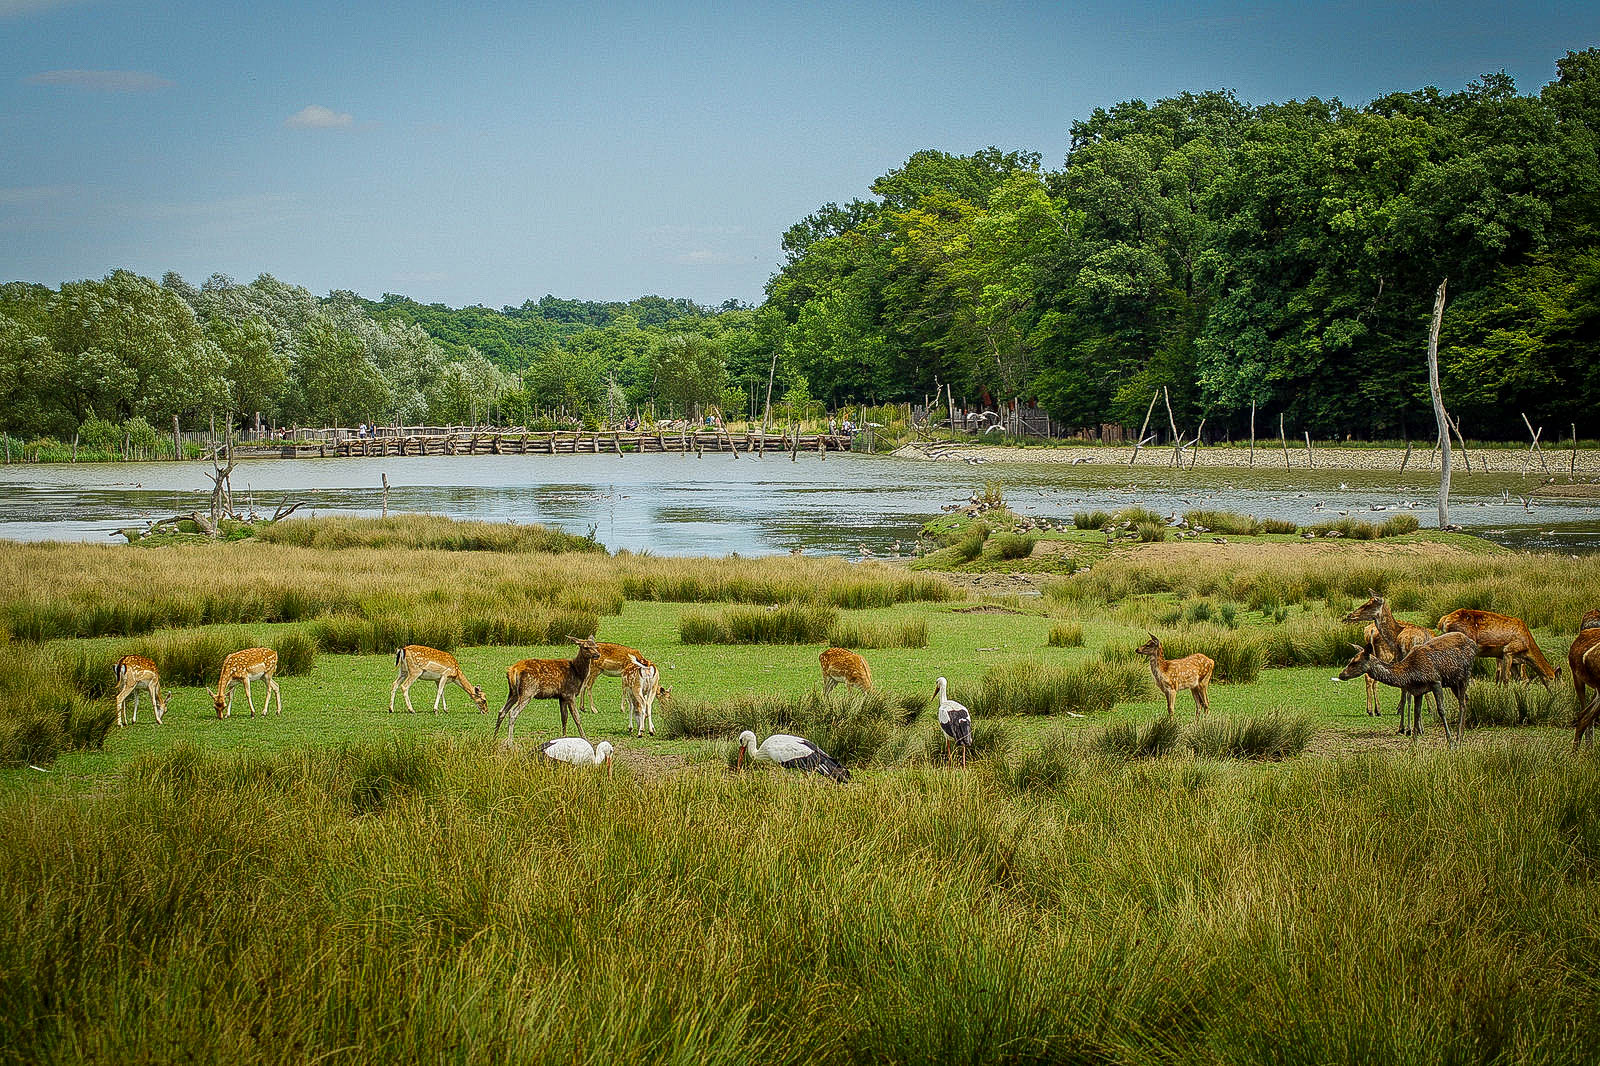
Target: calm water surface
point(676, 505)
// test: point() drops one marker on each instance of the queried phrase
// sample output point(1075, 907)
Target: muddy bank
point(1557, 464)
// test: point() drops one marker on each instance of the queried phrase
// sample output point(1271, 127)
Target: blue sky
point(495, 152)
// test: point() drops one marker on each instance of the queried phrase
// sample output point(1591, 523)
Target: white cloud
point(317, 117)
point(104, 81)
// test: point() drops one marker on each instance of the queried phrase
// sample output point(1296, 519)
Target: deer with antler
point(1389, 638)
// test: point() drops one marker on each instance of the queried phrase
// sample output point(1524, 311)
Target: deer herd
point(1418, 661)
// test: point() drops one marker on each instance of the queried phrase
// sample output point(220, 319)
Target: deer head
point(1356, 666)
point(1367, 612)
point(1151, 647)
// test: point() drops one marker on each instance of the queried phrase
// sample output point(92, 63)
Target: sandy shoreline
point(1491, 460)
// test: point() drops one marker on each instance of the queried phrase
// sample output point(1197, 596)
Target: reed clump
point(454, 901)
point(1271, 737)
point(787, 623)
point(859, 633)
point(1035, 688)
point(1065, 635)
point(422, 532)
point(1013, 545)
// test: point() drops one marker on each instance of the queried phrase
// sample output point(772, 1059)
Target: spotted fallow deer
point(1192, 672)
point(241, 668)
point(547, 679)
point(610, 660)
point(1502, 638)
point(416, 662)
point(843, 667)
point(1388, 637)
point(135, 672)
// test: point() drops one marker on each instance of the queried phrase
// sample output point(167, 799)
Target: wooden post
point(1177, 441)
point(1194, 447)
point(1438, 406)
point(1283, 440)
point(1140, 442)
point(1574, 470)
point(1405, 458)
point(1455, 424)
point(386, 495)
point(766, 415)
point(1534, 447)
point(1312, 463)
point(1252, 433)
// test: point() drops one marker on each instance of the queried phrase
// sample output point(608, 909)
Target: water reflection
point(672, 505)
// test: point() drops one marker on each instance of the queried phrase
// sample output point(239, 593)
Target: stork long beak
point(739, 765)
point(608, 766)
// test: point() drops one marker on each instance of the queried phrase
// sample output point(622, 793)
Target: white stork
point(578, 752)
point(956, 721)
point(797, 753)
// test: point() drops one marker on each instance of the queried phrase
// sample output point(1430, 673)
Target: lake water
point(719, 504)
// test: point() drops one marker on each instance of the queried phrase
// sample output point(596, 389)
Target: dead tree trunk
point(1438, 406)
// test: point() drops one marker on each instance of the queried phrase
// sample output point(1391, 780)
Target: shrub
point(296, 652)
point(1223, 522)
point(1399, 525)
point(1065, 635)
point(1151, 531)
point(1278, 525)
point(1135, 515)
point(1272, 736)
point(1197, 611)
point(1124, 740)
point(1493, 704)
point(1013, 545)
point(970, 544)
point(1091, 520)
point(790, 623)
point(854, 633)
point(1029, 687)
point(1311, 640)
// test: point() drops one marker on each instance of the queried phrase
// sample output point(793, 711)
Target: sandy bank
point(1492, 460)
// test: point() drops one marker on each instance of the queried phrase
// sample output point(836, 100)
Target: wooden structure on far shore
point(569, 442)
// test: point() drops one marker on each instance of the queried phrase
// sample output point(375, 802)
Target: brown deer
point(843, 667)
point(243, 667)
point(416, 662)
point(1584, 659)
point(1500, 637)
point(610, 660)
point(135, 672)
point(1441, 663)
point(1192, 672)
point(641, 687)
point(547, 679)
point(1388, 638)
point(1591, 619)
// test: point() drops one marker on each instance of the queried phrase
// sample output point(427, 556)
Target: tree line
point(1278, 259)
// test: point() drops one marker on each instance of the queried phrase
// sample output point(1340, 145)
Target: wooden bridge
point(569, 442)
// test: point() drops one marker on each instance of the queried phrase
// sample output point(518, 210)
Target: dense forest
point(1282, 255)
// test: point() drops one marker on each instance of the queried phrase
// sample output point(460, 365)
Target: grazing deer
point(547, 679)
point(1192, 672)
point(1502, 638)
point(243, 667)
point(1584, 658)
point(1441, 663)
point(610, 660)
point(419, 662)
point(842, 667)
point(641, 686)
point(135, 672)
point(1591, 619)
point(1388, 637)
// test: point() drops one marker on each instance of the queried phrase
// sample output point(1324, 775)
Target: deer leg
point(272, 691)
point(249, 698)
point(1374, 707)
point(577, 721)
point(438, 698)
point(394, 687)
point(1438, 705)
point(827, 684)
point(157, 701)
point(1202, 702)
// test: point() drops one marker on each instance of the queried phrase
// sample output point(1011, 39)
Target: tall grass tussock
point(788, 623)
point(446, 901)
